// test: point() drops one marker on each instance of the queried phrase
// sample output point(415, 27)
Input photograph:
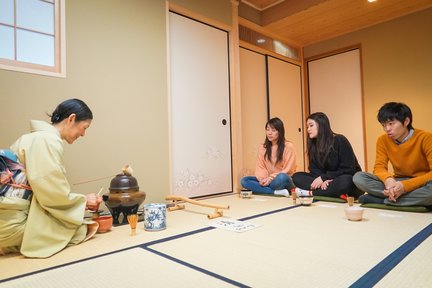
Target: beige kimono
point(55, 215)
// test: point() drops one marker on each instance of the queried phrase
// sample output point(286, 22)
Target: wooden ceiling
point(306, 22)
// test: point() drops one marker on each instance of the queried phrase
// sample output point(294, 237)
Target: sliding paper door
point(335, 88)
point(200, 108)
point(253, 106)
point(285, 102)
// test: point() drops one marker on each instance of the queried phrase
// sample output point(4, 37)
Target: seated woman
point(52, 217)
point(275, 164)
point(332, 162)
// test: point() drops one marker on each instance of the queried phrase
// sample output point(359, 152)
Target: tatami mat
point(293, 246)
point(131, 268)
point(414, 271)
point(303, 247)
point(191, 218)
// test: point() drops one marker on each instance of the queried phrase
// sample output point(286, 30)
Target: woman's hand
point(265, 181)
point(316, 183)
point(325, 184)
point(93, 201)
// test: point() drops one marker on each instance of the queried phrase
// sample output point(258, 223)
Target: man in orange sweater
point(409, 151)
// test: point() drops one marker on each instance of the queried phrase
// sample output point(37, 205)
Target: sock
point(302, 192)
point(283, 192)
point(366, 198)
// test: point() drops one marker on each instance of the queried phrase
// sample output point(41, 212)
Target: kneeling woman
point(53, 217)
point(275, 164)
point(332, 162)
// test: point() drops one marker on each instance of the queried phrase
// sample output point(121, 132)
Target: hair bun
point(55, 117)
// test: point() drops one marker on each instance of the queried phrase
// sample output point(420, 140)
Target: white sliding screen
point(335, 88)
point(253, 106)
point(285, 102)
point(200, 108)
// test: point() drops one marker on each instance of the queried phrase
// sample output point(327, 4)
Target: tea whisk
point(132, 220)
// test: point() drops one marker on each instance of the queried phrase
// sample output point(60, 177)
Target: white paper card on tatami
point(233, 225)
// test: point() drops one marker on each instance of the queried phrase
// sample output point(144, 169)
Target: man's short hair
point(395, 111)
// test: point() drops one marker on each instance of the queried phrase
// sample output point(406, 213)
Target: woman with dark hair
point(51, 217)
point(332, 162)
point(275, 164)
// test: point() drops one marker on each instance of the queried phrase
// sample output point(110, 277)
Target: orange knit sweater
point(411, 159)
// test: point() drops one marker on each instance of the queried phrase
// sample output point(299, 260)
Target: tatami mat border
point(143, 245)
point(199, 269)
point(268, 213)
point(67, 264)
point(207, 272)
point(378, 272)
point(166, 239)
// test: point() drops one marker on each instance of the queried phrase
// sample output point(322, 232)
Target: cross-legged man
point(409, 151)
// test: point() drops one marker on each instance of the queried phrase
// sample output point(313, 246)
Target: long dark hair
point(71, 106)
point(277, 124)
point(319, 148)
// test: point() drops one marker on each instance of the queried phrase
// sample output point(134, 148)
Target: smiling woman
point(54, 217)
point(71, 118)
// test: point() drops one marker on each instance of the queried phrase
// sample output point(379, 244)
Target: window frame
point(59, 68)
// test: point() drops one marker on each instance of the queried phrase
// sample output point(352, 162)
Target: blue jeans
point(281, 181)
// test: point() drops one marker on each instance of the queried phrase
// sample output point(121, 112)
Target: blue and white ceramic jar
point(154, 217)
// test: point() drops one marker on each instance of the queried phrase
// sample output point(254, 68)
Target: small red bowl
point(105, 223)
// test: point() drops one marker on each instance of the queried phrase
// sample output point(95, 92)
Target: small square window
point(30, 36)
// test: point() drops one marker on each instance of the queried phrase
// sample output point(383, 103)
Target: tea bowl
point(245, 194)
point(105, 223)
point(354, 213)
point(305, 200)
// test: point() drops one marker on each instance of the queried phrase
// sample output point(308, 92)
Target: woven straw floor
point(293, 246)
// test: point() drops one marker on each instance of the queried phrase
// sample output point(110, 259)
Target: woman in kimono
point(52, 217)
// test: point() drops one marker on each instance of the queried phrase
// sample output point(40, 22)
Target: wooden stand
point(218, 209)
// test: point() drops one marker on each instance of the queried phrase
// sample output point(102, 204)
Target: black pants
point(339, 186)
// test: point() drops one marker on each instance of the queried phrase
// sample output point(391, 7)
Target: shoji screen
point(285, 102)
point(200, 108)
point(335, 88)
point(270, 87)
point(253, 106)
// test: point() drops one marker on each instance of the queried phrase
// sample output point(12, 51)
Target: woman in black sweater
point(332, 162)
